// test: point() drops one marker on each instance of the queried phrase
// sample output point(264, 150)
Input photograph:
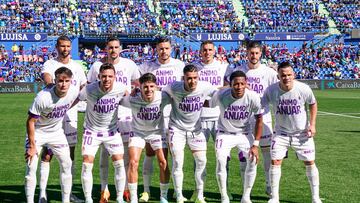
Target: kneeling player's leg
point(305, 151)
point(136, 144)
point(177, 140)
point(46, 156)
point(197, 144)
point(148, 168)
point(30, 175)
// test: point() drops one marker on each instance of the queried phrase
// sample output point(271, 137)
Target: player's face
point(163, 50)
point(63, 48)
point(113, 49)
point(286, 77)
point(148, 90)
point(238, 85)
point(254, 55)
point(107, 78)
point(207, 53)
point(63, 83)
point(191, 79)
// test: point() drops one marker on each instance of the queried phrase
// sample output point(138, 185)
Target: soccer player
point(148, 128)
point(259, 77)
point(290, 100)
point(167, 70)
point(238, 105)
point(63, 48)
point(44, 128)
point(100, 128)
point(126, 73)
point(187, 99)
point(212, 71)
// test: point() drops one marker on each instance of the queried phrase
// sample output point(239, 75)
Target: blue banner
point(23, 37)
point(278, 36)
point(219, 36)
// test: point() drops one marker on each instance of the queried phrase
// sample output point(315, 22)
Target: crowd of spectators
point(346, 13)
point(331, 61)
point(285, 16)
point(200, 16)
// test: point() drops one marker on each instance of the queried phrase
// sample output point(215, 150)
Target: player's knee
point(133, 164)
point(162, 164)
point(276, 162)
point(118, 163)
point(308, 163)
point(200, 158)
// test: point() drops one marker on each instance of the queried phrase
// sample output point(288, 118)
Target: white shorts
point(111, 140)
point(55, 141)
point(70, 129)
point(124, 125)
point(226, 141)
point(265, 140)
point(178, 139)
point(302, 144)
point(156, 141)
point(209, 128)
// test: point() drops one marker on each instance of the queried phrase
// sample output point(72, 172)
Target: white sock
point(133, 192)
point(148, 170)
point(250, 175)
point(87, 180)
point(30, 179)
point(104, 168)
point(200, 173)
point(177, 171)
point(126, 162)
point(267, 164)
point(44, 175)
point(221, 175)
point(164, 187)
point(242, 170)
point(275, 175)
point(119, 177)
point(65, 177)
point(312, 174)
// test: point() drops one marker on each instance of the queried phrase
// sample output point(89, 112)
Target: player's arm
point(313, 113)
point(258, 132)
point(30, 129)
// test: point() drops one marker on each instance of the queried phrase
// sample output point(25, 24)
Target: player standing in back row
point(294, 128)
point(167, 70)
point(259, 77)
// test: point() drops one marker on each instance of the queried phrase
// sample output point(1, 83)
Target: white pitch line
point(336, 114)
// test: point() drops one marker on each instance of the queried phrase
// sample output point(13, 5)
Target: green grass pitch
point(337, 148)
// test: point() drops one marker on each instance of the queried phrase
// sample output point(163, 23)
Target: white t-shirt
point(289, 108)
point(102, 108)
point(236, 114)
point(187, 106)
point(51, 109)
point(214, 73)
point(78, 79)
point(126, 71)
point(148, 117)
point(258, 79)
point(165, 74)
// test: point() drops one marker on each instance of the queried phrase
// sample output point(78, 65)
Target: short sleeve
point(93, 73)
point(126, 101)
point(165, 98)
point(214, 101)
point(37, 107)
point(136, 74)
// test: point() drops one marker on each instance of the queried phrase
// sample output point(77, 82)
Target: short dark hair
point(236, 74)
point(163, 39)
point(205, 43)
point(147, 77)
point(63, 70)
point(110, 39)
point(62, 38)
point(284, 64)
point(253, 44)
point(107, 66)
point(190, 68)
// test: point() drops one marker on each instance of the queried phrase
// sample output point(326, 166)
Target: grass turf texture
point(336, 147)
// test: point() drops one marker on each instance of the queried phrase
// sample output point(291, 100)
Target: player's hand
point(311, 131)
point(29, 154)
point(254, 154)
point(134, 91)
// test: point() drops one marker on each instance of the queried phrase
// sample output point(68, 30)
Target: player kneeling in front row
point(237, 107)
point(148, 127)
point(44, 128)
point(293, 127)
point(100, 127)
